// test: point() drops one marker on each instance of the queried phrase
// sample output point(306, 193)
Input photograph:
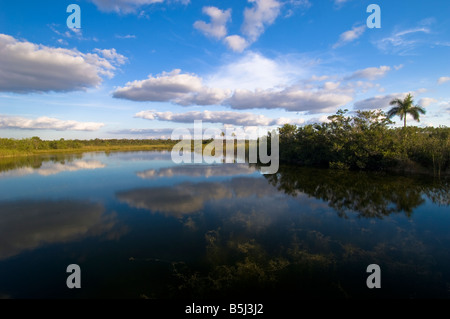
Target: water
point(140, 226)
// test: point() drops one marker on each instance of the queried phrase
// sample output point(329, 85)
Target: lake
point(140, 226)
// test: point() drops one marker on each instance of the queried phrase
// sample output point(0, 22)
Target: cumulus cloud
point(217, 28)
point(443, 79)
point(183, 89)
point(145, 132)
point(349, 36)
point(262, 14)
point(127, 6)
point(27, 67)
point(251, 71)
point(225, 117)
point(427, 101)
point(112, 56)
point(378, 102)
point(290, 99)
point(254, 82)
point(46, 123)
point(236, 43)
point(370, 73)
point(255, 71)
point(257, 18)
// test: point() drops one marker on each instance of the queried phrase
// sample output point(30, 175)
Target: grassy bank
point(36, 146)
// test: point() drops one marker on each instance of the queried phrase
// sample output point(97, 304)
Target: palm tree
point(404, 107)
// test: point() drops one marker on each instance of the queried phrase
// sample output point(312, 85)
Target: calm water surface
point(140, 226)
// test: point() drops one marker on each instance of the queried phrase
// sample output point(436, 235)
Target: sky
point(142, 68)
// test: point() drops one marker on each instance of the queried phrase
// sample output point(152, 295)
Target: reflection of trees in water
point(35, 162)
point(368, 194)
point(439, 193)
point(314, 257)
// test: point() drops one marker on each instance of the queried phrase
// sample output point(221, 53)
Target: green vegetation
point(32, 146)
point(365, 141)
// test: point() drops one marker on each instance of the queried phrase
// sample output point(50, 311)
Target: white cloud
point(112, 56)
point(27, 67)
point(145, 133)
point(46, 123)
point(305, 4)
point(164, 87)
point(378, 102)
point(224, 117)
point(321, 119)
point(256, 82)
point(290, 99)
point(370, 73)
point(443, 79)
point(255, 71)
point(217, 28)
point(331, 85)
point(127, 6)
point(420, 91)
point(251, 82)
point(445, 105)
point(284, 120)
point(257, 18)
point(427, 101)
point(340, 2)
point(62, 42)
point(402, 42)
point(262, 14)
point(350, 35)
point(183, 89)
point(127, 36)
point(236, 43)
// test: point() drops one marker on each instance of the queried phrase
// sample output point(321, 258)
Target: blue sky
point(141, 68)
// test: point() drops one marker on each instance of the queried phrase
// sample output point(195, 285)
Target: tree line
point(26, 146)
point(365, 141)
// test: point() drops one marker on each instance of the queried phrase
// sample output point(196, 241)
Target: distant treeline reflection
point(369, 195)
point(35, 162)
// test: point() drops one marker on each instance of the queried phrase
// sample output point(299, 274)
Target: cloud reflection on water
point(205, 171)
point(53, 168)
point(27, 225)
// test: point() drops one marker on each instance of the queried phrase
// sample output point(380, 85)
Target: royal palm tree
point(404, 107)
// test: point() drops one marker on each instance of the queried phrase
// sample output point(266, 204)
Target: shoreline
point(86, 150)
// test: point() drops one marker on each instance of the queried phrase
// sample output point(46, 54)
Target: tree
point(404, 107)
